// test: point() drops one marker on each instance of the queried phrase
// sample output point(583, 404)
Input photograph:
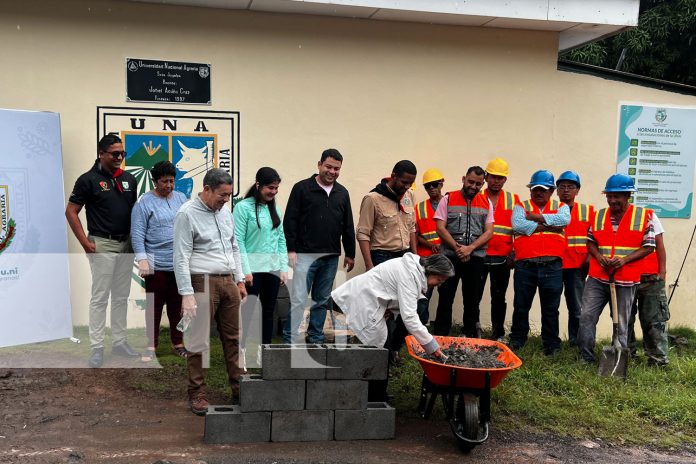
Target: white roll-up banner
point(34, 275)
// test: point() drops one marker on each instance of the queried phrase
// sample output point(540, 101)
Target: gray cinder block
point(256, 394)
point(302, 425)
point(227, 424)
point(293, 362)
point(360, 362)
point(377, 422)
point(336, 394)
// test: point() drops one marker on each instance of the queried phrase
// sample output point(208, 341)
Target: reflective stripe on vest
point(502, 230)
point(577, 241)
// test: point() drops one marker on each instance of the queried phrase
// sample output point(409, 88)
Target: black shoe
point(96, 359)
point(395, 359)
point(124, 349)
point(551, 351)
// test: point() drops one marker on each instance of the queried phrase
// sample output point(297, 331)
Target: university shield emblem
point(8, 227)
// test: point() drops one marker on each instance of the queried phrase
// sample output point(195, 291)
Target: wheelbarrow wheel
point(466, 420)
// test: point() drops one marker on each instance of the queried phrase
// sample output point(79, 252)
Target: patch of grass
point(655, 406)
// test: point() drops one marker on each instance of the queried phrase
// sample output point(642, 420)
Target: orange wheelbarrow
point(465, 392)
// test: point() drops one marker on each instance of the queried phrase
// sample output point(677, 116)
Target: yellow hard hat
point(431, 175)
point(498, 167)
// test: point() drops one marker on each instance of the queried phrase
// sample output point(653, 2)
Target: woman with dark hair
point(258, 229)
point(152, 233)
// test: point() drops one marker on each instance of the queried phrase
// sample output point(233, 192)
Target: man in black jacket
point(317, 218)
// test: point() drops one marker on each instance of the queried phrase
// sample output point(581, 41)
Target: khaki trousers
point(218, 300)
point(112, 266)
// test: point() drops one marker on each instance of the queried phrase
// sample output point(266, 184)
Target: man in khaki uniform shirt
point(387, 225)
point(387, 229)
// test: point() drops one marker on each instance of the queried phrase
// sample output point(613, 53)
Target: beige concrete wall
point(446, 97)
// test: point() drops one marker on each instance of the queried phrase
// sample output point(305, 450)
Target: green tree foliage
point(663, 45)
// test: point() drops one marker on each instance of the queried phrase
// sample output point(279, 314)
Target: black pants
point(395, 334)
point(500, 279)
point(469, 273)
point(264, 287)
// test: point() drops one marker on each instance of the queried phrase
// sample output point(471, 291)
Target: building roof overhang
point(578, 22)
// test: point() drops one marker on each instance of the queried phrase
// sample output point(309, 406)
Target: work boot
point(198, 403)
point(96, 359)
point(124, 349)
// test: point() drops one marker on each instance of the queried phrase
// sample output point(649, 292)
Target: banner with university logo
point(34, 277)
point(657, 147)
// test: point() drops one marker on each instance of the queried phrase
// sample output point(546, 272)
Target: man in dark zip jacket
point(317, 219)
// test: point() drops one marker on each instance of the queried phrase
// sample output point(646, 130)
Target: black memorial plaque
point(167, 82)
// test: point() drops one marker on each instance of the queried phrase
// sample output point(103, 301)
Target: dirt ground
point(94, 416)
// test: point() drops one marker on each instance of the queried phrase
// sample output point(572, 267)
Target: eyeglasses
point(116, 154)
point(567, 187)
point(431, 185)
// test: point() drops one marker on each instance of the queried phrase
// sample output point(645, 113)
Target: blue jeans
point(548, 278)
point(573, 287)
point(313, 272)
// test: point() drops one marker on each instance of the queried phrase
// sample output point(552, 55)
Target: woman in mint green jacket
point(258, 228)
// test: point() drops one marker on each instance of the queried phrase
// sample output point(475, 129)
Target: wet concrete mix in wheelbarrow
point(481, 357)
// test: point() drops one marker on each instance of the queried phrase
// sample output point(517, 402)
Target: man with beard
point(387, 229)
point(317, 220)
point(464, 221)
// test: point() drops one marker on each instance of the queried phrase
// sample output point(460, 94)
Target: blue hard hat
point(542, 179)
point(570, 176)
point(620, 183)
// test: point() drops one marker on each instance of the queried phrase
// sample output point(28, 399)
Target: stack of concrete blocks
point(307, 393)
